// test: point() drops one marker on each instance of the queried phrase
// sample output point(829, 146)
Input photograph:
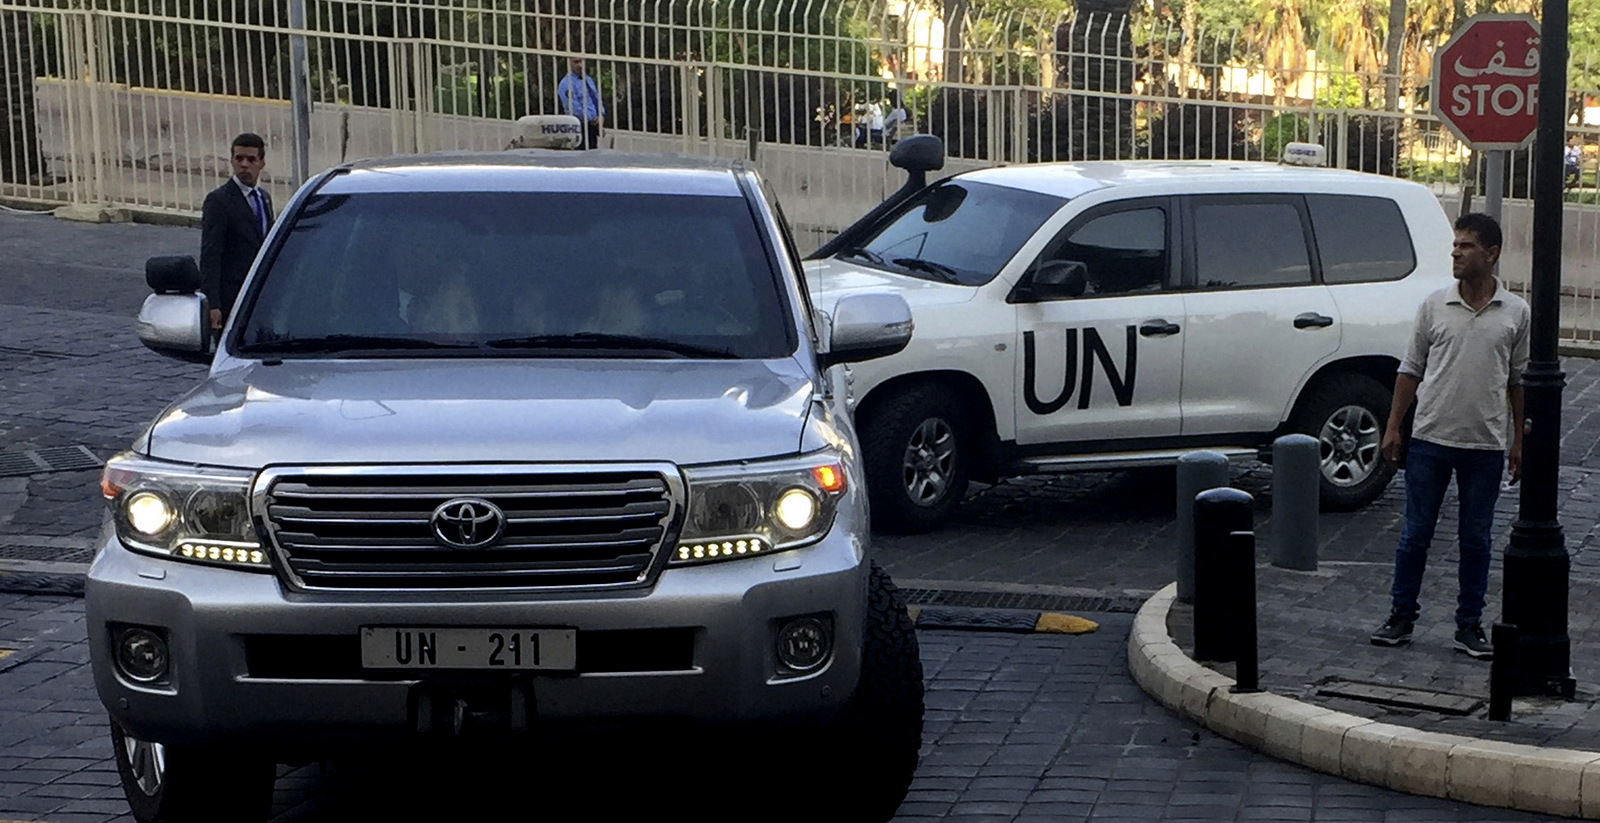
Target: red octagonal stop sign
point(1486, 81)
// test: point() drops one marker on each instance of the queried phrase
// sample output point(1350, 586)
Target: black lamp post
point(1537, 564)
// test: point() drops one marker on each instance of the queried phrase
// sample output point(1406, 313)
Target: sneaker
point(1394, 631)
point(1472, 641)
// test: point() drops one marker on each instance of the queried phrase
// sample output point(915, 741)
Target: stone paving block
point(1551, 781)
point(1364, 754)
point(1482, 771)
point(1286, 726)
point(1322, 741)
point(1419, 762)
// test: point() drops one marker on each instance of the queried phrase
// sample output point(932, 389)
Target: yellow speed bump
point(1058, 623)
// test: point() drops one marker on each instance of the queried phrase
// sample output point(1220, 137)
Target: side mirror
point(918, 154)
point(174, 325)
point(177, 274)
point(1054, 280)
point(867, 326)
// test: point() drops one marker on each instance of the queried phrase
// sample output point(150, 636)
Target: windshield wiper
point(865, 254)
point(938, 270)
point(335, 343)
point(602, 340)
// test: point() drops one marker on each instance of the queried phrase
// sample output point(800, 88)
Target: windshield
point(434, 274)
point(956, 231)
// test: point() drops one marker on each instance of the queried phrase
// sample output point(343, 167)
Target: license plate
point(387, 647)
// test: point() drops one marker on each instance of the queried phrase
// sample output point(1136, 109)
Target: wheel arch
point(1379, 367)
point(974, 399)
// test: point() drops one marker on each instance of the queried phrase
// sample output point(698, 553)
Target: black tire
point(881, 733)
point(1346, 414)
point(192, 785)
point(927, 427)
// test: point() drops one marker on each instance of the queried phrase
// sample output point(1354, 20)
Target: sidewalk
point(1432, 734)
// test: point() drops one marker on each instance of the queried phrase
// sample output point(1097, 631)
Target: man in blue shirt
point(580, 97)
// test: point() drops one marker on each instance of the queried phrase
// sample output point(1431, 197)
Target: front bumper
point(219, 690)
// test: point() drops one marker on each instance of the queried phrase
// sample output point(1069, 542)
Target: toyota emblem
point(468, 523)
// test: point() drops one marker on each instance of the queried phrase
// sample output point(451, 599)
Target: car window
point(1124, 252)
point(957, 231)
point(1360, 239)
point(469, 268)
point(1249, 243)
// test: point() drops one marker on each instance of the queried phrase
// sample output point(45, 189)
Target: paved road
point(1020, 727)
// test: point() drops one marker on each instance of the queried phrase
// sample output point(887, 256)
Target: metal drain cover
point(41, 461)
point(1459, 705)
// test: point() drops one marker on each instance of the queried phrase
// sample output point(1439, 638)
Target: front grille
point(565, 528)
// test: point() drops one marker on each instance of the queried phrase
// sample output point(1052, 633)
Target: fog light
point(804, 644)
point(141, 654)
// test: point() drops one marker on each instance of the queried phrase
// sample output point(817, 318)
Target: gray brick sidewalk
point(1020, 727)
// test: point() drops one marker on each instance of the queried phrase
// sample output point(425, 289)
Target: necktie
point(260, 209)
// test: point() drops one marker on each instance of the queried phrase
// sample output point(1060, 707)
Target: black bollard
point(1242, 553)
point(1220, 562)
point(1502, 670)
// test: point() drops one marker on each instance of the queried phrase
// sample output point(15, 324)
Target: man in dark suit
point(233, 222)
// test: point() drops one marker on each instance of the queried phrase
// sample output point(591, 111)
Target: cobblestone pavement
point(1020, 727)
point(72, 373)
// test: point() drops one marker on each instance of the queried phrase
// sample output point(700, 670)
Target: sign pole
point(1494, 187)
point(1537, 565)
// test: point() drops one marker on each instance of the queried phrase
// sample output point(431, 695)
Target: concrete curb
point(1485, 772)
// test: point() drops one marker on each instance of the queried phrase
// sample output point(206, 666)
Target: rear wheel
point(918, 457)
point(183, 784)
point(1346, 414)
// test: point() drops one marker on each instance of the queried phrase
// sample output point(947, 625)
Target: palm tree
point(1352, 28)
point(1281, 38)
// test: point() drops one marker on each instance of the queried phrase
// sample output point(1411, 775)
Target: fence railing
point(132, 103)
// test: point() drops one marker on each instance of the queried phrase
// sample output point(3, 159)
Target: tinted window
point(1360, 239)
point(471, 268)
point(1249, 244)
point(966, 231)
point(1125, 252)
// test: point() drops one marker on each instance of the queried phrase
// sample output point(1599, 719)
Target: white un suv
point(1117, 314)
point(494, 447)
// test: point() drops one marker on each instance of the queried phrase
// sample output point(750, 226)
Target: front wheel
point(1346, 415)
point(182, 784)
point(881, 733)
point(918, 452)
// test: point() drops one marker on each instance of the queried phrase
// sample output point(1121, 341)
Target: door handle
point(1312, 320)
point(1158, 328)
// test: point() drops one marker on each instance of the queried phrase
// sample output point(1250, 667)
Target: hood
point(832, 278)
point(464, 410)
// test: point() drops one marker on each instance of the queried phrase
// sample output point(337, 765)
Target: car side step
point(1125, 460)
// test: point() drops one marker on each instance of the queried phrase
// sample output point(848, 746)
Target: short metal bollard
point(1197, 472)
point(1502, 670)
point(1224, 574)
point(1296, 497)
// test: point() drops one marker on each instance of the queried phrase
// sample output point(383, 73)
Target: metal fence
point(132, 103)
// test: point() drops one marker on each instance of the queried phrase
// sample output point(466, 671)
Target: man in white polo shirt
point(1464, 368)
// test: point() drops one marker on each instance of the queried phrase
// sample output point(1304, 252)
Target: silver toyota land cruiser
point(495, 444)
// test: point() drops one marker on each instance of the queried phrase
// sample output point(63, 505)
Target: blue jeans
point(1428, 469)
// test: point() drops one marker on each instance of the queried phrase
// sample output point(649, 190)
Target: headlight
point(758, 508)
point(193, 513)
